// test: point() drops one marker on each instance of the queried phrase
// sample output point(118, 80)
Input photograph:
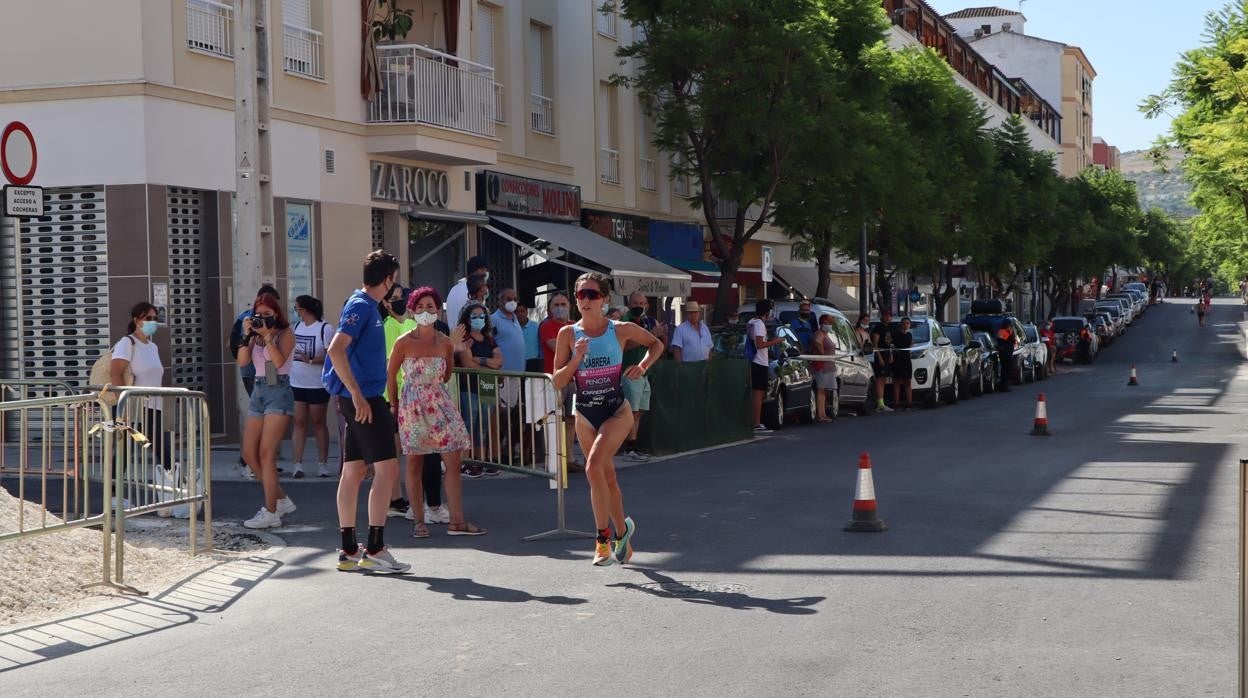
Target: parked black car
point(990, 361)
point(790, 392)
point(970, 358)
point(988, 316)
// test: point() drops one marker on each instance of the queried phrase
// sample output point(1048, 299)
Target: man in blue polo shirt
point(510, 337)
point(355, 372)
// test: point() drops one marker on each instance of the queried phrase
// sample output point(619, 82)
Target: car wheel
point(955, 390)
point(1028, 374)
point(868, 403)
point(808, 416)
point(832, 403)
point(979, 384)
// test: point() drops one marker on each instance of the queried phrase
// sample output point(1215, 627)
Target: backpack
point(102, 373)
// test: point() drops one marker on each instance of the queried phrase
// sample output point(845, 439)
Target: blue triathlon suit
point(598, 392)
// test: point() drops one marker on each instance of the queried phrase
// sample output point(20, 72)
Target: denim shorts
point(272, 398)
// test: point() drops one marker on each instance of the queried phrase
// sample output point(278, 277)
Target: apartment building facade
point(492, 128)
point(1062, 74)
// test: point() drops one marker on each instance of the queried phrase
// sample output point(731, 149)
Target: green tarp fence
point(696, 405)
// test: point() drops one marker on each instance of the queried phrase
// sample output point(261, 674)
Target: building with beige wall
point(481, 105)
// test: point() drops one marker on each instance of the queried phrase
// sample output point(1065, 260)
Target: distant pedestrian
point(357, 376)
point(1006, 343)
point(478, 350)
point(882, 339)
point(137, 358)
point(532, 342)
point(459, 293)
point(1201, 309)
point(270, 349)
point(429, 421)
point(510, 337)
point(247, 372)
point(822, 343)
point(691, 341)
point(757, 347)
point(396, 322)
point(560, 308)
point(804, 325)
point(903, 370)
point(637, 390)
point(312, 338)
point(1049, 336)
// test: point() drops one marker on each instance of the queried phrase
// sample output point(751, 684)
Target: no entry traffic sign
point(18, 155)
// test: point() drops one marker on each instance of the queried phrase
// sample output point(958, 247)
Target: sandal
point(419, 530)
point(465, 529)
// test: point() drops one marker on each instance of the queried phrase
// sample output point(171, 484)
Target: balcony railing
point(302, 48)
point(500, 106)
point(541, 113)
point(609, 165)
point(648, 180)
point(680, 186)
point(210, 27)
point(423, 86)
point(606, 23)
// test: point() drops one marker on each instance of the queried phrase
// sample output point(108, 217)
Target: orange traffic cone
point(865, 518)
point(1133, 380)
point(1041, 425)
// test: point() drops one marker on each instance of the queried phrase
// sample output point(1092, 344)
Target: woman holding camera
point(270, 348)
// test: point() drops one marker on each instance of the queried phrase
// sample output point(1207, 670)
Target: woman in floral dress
point(429, 420)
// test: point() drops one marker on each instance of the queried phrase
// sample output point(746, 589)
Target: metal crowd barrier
point(515, 422)
point(121, 448)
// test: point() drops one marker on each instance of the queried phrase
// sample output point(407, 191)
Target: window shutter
point(537, 71)
point(485, 35)
point(297, 13)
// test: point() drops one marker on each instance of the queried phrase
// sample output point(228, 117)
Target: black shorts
point(902, 369)
point(883, 370)
point(371, 442)
point(759, 376)
point(311, 396)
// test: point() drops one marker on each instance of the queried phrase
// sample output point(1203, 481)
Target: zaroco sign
point(504, 193)
point(410, 185)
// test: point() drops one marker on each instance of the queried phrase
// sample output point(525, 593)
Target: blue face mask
point(478, 323)
point(149, 327)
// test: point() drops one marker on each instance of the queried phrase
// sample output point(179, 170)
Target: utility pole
point(253, 252)
point(864, 308)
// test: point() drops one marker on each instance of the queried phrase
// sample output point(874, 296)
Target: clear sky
point(1133, 46)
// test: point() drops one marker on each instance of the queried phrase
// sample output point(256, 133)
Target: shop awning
point(630, 270)
point(444, 216)
point(805, 280)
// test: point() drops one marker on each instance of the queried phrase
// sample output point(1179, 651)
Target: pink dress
point(429, 420)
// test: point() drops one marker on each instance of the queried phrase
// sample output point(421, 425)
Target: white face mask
point(510, 306)
point(426, 318)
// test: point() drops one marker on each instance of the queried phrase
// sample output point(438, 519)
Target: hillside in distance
point(1162, 187)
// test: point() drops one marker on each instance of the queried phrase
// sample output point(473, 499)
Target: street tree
point(736, 88)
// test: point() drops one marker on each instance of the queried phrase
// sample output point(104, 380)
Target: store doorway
point(436, 253)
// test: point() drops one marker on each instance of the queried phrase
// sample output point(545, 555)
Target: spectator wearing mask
point(397, 323)
point(560, 308)
point(825, 371)
point(637, 390)
point(691, 341)
point(136, 361)
point(478, 350)
point(510, 337)
point(312, 338)
point(804, 325)
point(1049, 335)
point(756, 350)
point(270, 348)
point(862, 329)
point(532, 343)
point(460, 292)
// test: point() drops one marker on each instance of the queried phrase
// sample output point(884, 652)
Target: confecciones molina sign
point(405, 184)
point(504, 193)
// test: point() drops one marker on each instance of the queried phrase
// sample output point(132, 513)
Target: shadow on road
point(211, 591)
point(722, 596)
point(463, 589)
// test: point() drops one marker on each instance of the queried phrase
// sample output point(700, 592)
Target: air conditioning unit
point(979, 33)
point(331, 166)
point(1006, 26)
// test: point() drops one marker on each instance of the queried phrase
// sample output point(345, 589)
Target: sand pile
point(42, 576)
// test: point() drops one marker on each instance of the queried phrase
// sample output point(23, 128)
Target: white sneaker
point(245, 472)
point(638, 455)
point(264, 519)
point(298, 471)
point(409, 514)
point(285, 506)
point(760, 429)
point(437, 515)
point(383, 562)
point(323, 470)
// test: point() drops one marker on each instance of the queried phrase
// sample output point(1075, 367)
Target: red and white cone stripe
point(1041, 425)
point(865, 518)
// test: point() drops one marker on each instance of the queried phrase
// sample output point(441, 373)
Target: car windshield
point(1067, 325)
point(919, 331)
point(1113, 310)
point(1031, 333)
point(954, 333)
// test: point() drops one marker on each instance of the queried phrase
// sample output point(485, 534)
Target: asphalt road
point(1098, 561)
